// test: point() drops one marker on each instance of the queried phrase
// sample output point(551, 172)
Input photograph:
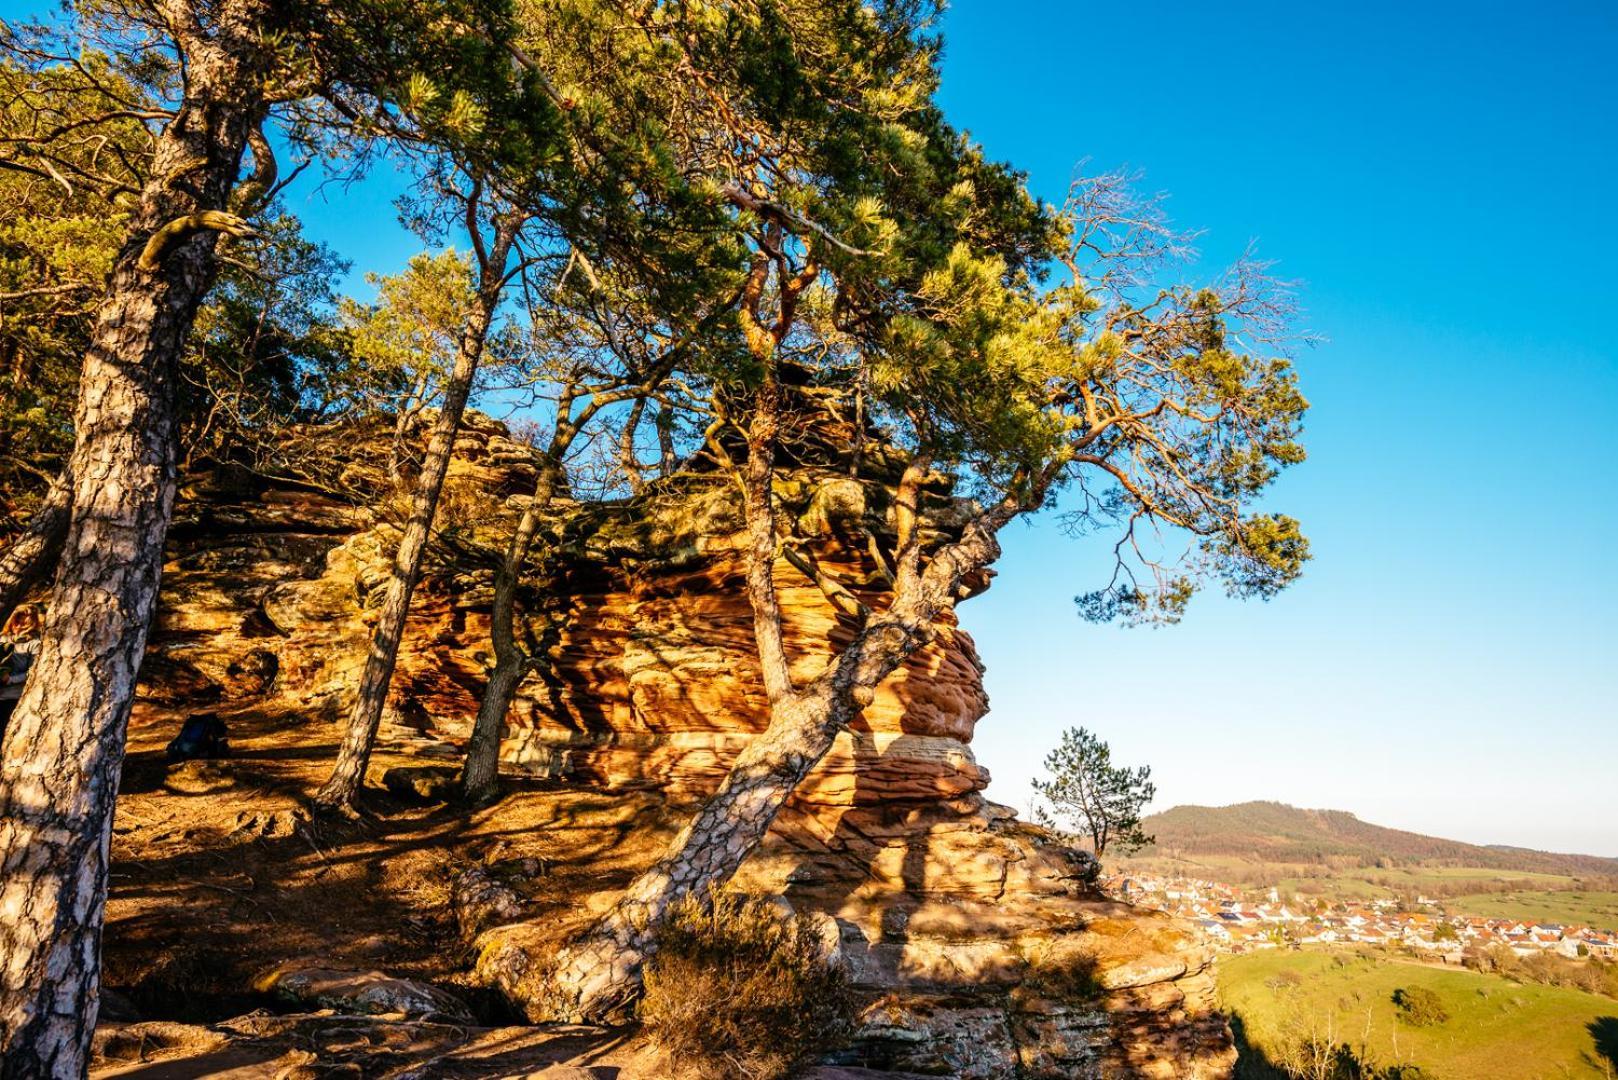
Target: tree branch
point(181, 229)
point(740, 196)
point(843, 600)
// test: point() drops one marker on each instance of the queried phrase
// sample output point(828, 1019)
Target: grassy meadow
point(1497, 1028)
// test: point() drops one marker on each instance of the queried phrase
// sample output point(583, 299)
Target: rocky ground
point(245, 940)
point(244, 936)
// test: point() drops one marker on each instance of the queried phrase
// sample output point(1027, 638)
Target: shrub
point(1547, 969)
point(1284, 980)
point(1419, 1006)
point(1066, 976)
point(737, 991)
point(1308, 1049)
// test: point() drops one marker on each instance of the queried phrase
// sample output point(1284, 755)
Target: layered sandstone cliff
point(652, 674)
point(982, 945)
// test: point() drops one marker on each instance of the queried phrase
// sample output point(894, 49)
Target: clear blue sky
point(1441, 177)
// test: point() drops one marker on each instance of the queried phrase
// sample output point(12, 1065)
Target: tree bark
point(667, 462)
point(33, 554)
point(354, 755)
point(64, 746)
point(480, 776)
point(596, 977)
point(628, 452)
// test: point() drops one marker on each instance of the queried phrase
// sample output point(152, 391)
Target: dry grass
point(738, 991)
point(1068, 975)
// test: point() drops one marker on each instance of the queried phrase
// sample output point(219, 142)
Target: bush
point(1308, 1049)
point(738, 991)
point(1068, 976)
point(1547, 969)
point(1284, 980)
point(1420, 1007)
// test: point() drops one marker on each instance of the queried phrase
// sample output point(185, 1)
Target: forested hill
point(1277, 833)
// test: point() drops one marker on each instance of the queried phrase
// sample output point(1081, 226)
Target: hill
point(1496, 1028)
point(1273, 832)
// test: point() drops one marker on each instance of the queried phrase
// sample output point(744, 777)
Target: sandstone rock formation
point(981, 944)
point(653, 675)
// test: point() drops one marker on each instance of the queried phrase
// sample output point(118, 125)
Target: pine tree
point(1087, 795)
point(1135, 403)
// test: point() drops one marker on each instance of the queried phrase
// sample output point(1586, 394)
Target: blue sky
point(1439, 176)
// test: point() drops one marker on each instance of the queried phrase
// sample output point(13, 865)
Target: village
point(1236, 922)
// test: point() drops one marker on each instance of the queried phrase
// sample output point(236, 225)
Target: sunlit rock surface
point(982, 945)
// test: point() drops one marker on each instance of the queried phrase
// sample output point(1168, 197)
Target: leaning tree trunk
point(597, 975)
point(343, 786)
point(33, 554)
point(64, 746)
point(480, 777)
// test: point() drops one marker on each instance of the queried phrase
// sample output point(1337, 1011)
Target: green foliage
point(1547, 969)
point(59, 233)
point(439, 78)
point(404, 342)
point(664, 153)
point(260, 344)
point(1088, 792)
point(1419, 1006)
point(265, 347)
point(736, 991)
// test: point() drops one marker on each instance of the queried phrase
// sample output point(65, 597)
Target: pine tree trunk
point(597, 976)
point(64, 747)
point(667, 462)
point(480, 777)
point(403, 424)
point(354, 755)
point(33, 554)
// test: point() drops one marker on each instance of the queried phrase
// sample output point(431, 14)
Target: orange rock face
point(658, 682)
point(653, 676)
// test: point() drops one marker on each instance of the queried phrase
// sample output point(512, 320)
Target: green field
point(1497, 1029)
point(1597, 909)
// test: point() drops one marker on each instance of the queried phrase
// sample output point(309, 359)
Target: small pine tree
point(1088, 796)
